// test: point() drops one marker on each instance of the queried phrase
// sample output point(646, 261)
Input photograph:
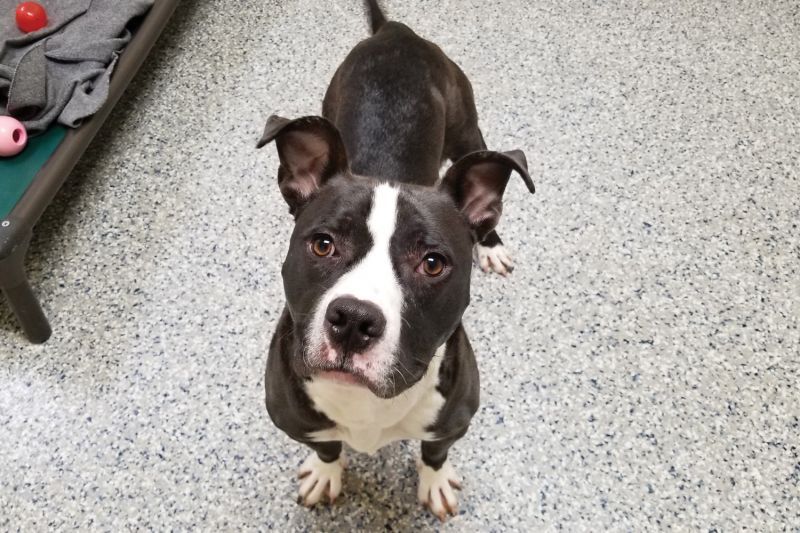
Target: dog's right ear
point(311, 152)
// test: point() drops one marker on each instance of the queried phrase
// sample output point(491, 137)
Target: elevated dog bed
point(30, 180)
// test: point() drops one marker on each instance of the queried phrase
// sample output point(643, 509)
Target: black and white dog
point(370, 348)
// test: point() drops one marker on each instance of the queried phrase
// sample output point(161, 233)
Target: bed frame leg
point(20, 296)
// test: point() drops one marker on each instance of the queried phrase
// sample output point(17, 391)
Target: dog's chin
point(341, 377)
point(348, 378)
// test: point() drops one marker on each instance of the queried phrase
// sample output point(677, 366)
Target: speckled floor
point(640, 368)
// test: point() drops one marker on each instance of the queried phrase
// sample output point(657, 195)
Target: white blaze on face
point(373, 280)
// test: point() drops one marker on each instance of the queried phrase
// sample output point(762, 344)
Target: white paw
point(319, 478)
point(493, 258)
point(436, 489)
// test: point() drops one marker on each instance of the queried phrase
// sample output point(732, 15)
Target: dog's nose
point(354, 325)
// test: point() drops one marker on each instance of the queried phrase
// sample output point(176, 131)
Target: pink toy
point(12, 136)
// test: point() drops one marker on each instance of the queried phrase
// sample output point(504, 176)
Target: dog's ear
point(476, 183)
point(311, 151)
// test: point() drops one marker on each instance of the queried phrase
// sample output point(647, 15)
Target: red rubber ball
point(31, 16)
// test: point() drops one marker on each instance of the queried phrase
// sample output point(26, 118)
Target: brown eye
point(433, 265)
point(322, 245)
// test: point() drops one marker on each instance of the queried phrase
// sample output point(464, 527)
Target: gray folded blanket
point(61, 72)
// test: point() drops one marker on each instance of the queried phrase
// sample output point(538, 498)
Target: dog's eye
point(322, 245)
point(433, 265)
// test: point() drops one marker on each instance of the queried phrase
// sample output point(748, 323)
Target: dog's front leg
point(438, 479)
point(321, 473)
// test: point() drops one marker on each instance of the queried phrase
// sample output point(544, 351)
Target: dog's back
point(402, 106)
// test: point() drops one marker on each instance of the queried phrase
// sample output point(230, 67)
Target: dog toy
point(31, 16)
point(12, 136)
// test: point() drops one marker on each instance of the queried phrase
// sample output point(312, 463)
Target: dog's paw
point(493, 258)
point(319, 478)
point(436, 489)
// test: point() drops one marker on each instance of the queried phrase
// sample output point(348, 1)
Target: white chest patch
point(366, 422)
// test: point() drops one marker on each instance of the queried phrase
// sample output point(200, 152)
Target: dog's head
point(377, 274)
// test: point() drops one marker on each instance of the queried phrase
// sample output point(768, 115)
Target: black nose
point(354, 325)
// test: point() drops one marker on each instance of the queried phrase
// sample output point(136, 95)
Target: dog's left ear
point(477, 181)
point(311, 152)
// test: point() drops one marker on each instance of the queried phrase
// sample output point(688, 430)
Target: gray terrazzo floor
point(640, 368)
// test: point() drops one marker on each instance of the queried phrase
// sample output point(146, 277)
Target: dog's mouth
point(331, 366)
point(341, 371)
point(351, 378)
point(342, 375)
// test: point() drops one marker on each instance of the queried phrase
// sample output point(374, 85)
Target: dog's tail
point(376, 16)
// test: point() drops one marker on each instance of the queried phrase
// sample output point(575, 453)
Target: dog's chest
point(366, 422)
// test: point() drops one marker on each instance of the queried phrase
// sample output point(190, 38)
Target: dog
point(370, 348)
